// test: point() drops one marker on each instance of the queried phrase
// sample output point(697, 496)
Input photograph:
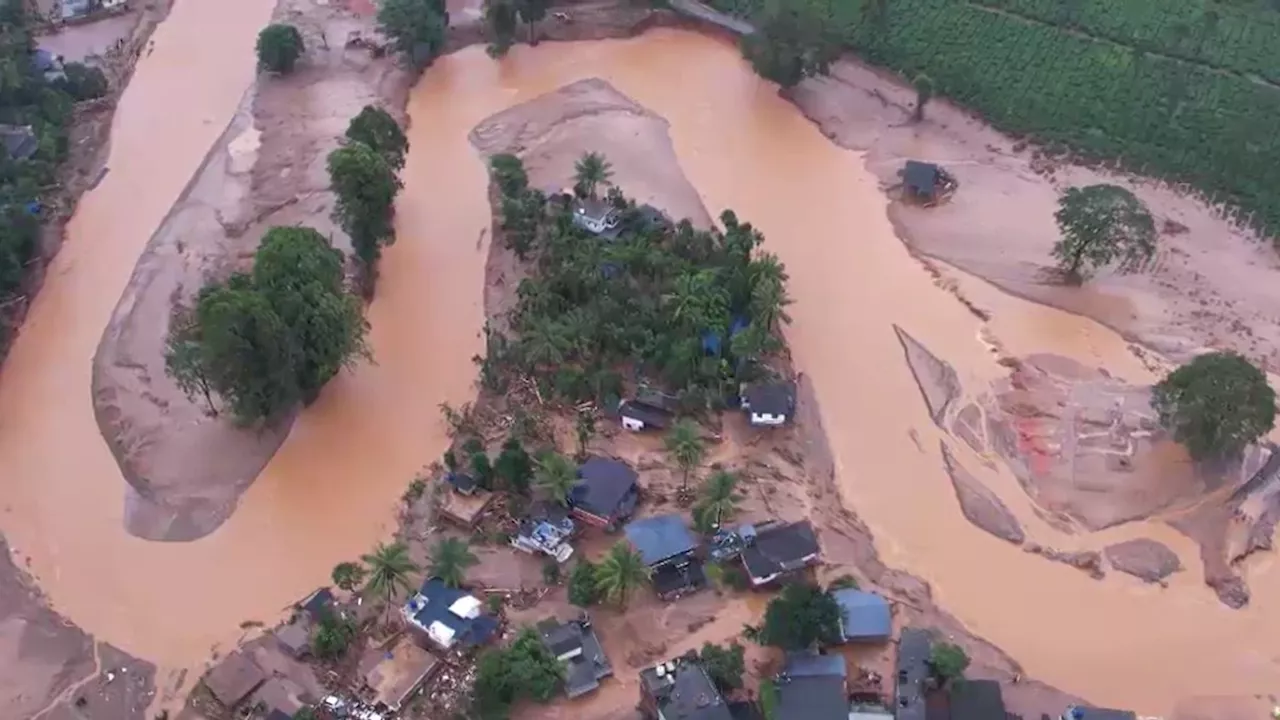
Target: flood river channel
point(330, 493)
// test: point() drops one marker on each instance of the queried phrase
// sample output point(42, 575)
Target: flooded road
point(329, 493)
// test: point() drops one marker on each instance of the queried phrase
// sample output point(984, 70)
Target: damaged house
point(669, 549)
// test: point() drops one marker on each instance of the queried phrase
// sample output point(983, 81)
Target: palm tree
point(389, 569)
point(768, 298)
point(545, 342)
point(621, 571)
point(450, 559)
point(719, 500)
point(555, 477)
point(591, 171)
point(684, 444)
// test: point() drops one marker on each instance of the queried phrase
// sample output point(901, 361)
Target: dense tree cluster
point(694, 309)
point(416, 28)
point(264, 341)
point(279, 47)
point(29, 99)
point(524, 670)
point(363, 176)
point(725, 665)
point(790, 45)
point(1215, 405)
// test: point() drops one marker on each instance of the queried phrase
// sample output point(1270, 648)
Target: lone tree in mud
point(792, 42)
point(389, 570)
point(924, 92)
point(450, 559)
point(416, 28)
point(503, 19)
point(621, 571)
point(590, 172)
point(377, 129)
point(533, 12)
point(947, 663)
point(366, 187)
point(279, 47)
point(1101, 225)
point(684, 445)
point(1215, 405)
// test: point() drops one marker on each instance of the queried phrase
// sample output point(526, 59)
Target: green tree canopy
point(450, 559)
point(504, 676)
point(514, 466)
point(389, 569)
point(719, 501)
point(416, 28)
point(375, 127)
point(590, 172)
point(279, 47)
point(332, 635)
point(584, 584)
point(685, 446)
point(502, 18)
point(1101, 225)
point(802, 616)
point(792, 41)
point(366, 188)
point(1215, 405)
point(301, 275)
point(555, 477)
point(247, 351)
point(947, 662)
point(621, 571)
point(265, 341)
point(508, 172)
point(348, 575)
point(725, 665)
point(533, 12)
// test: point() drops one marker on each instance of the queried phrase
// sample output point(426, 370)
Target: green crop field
point(1105, 80)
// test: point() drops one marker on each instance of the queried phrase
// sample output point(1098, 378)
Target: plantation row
point(1160, 116)
point(1245, 40)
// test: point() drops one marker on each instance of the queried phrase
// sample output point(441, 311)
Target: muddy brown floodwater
point(329, 493)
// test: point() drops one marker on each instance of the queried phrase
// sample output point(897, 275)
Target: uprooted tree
point(1103, 225)
point(1215, 405)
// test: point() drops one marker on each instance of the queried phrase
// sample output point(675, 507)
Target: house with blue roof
point(450, 618)
point(864, 616)
point(669, 549)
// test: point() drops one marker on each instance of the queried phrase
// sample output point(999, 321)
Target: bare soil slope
point(188, 466)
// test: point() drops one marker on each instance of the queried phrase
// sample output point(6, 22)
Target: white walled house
point(769, 404)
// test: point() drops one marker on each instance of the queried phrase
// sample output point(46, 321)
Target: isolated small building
point(449, 618)
point(864, 616)
point(812, 687)
point(926, 183)
point(606, 493)
point(295, 639)
point(681, 689)
point(769, 404)
point(771, 552)
point(318, 604)
point(669, 549)
point(596, 216)
point(467, 502)
point(575, 644)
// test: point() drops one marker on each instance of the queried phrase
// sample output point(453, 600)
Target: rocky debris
point(936, 379)
point(980, 505)
point(1090, 561)
point(1143, 558)
point(1231, 590)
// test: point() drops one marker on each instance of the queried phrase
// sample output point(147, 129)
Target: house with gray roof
point(812, 687)
point(911, 679)
point(597, 216)
point(768, 404)
point(19, 141)
point(864, 616)
point(774, 551)
point(575, 644)
point(606, 493)
point(681, 689)
point(669, 549)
